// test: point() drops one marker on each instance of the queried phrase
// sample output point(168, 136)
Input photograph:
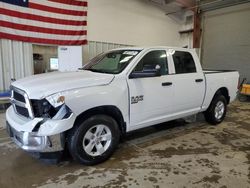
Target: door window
point(151, 60)
point(183, 62)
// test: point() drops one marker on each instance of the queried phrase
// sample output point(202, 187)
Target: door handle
point(166, 83)
point(199, 80)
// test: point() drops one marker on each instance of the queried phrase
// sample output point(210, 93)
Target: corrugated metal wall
point(16, 61)
point(226, 39)
point(94, 48)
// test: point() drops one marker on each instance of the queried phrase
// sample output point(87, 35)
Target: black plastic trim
point(167, 84)
point(217, 71)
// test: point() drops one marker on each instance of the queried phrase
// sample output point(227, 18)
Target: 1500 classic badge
point(136, 99)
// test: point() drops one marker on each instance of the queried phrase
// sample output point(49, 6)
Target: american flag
point(57, 22)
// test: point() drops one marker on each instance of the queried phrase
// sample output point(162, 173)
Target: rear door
point(188, 83)
point(150, 97)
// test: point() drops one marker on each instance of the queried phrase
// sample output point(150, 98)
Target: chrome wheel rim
point(97, 140)
point(219, 110)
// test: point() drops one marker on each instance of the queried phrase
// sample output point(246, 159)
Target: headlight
point(51, 107)
point(56, 100)
point(42, 108)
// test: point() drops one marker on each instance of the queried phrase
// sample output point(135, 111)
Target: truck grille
point(21, 103)
point(18, 97)
point(22, 111)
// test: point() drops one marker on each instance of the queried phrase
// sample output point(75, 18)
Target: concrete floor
point(175, 155)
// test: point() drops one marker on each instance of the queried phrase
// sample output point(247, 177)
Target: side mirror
point(147, 72)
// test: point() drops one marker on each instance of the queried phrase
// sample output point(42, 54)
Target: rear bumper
point(30, 141)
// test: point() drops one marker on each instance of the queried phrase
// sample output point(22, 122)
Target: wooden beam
point(197, 29)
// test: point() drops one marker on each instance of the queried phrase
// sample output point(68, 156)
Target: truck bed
point(214, 81)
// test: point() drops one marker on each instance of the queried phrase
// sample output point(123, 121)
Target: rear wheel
point(217, 110)
point(94, 140)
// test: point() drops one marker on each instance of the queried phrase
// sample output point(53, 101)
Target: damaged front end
point(45, 131)
point(50, 109)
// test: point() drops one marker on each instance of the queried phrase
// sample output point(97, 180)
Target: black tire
point(242, 98)
point(76, 139)
point(210, 114)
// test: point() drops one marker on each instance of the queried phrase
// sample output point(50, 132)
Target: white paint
point(133, 22)
point(84, 90)
point(70, 58)
point(43, 85)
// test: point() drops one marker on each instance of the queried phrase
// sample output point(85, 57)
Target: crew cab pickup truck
point(118, 91)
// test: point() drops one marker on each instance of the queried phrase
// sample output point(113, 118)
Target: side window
point(183, 62)
point(151, 59)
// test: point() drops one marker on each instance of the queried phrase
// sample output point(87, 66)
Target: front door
point(150, 97)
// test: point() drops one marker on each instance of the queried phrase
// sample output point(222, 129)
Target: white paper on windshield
point(130, 53)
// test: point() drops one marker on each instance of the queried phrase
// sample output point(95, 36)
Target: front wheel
point(217, 110)
point(94, 140)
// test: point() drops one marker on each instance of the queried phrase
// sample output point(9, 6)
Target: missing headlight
point(42, 108)
point(62, 112)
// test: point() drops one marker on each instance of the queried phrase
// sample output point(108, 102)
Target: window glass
point(151, 59)
point(183, 62)
point(109, 63)
point(112, 62)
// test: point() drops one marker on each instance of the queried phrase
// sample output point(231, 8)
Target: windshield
point(112, 62)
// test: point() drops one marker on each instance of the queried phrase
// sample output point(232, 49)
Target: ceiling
point(207, 5)
point(178, 9)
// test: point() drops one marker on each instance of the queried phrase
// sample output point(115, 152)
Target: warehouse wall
point(226, 39)
point(94, 48)
point(15, 61)
point(186, 39)
point(131, 22)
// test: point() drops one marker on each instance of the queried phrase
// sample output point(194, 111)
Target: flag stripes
point(44, 41)
point(31, 17)
point(69, 2)
point(57, 22)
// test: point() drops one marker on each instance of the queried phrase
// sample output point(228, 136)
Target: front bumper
point(30, 141)
point(48, 138)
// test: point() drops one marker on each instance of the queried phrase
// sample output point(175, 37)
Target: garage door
point(226, 39)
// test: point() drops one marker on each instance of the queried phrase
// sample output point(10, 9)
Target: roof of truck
point(153, 47)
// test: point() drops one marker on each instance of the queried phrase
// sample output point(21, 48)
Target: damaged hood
point(43, 85)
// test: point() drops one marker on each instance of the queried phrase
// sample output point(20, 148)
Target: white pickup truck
point(122, 90)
